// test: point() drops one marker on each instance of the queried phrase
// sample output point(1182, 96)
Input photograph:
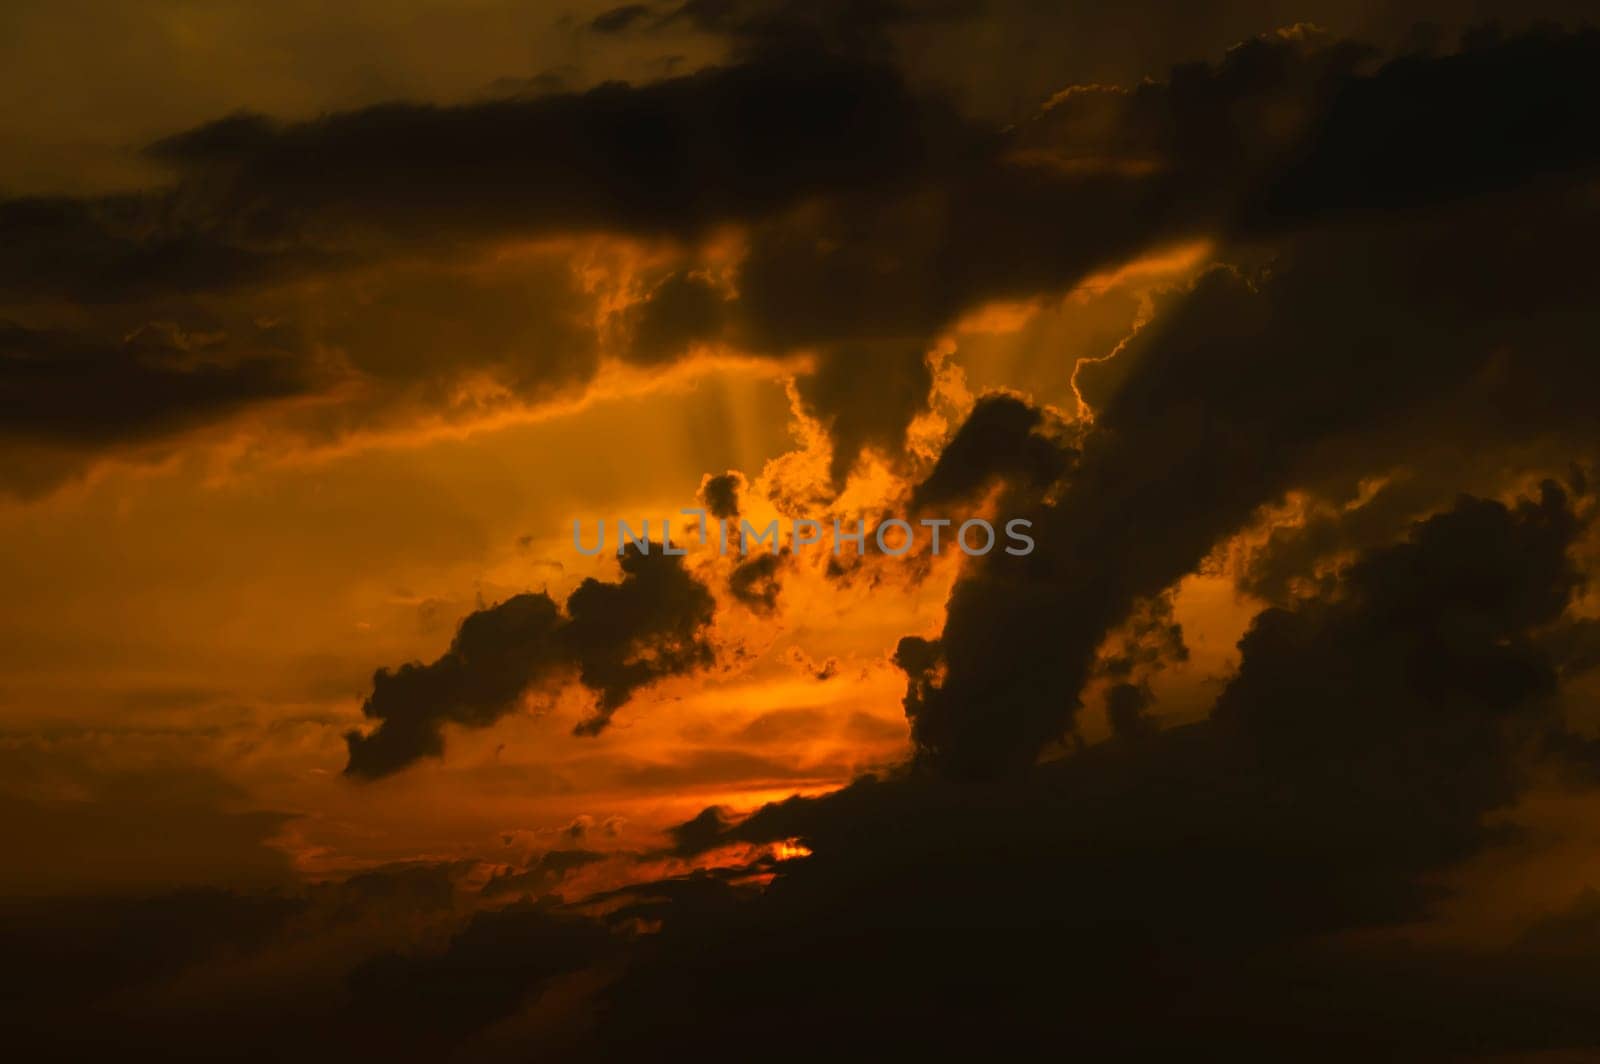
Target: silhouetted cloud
point(755, 582)
point(999, 439)
point(71, 392)
point(1359, 748)
point(720, 494)
point(875, 213)
point(612, 638)
point(1211, 420)
point(673, 156)
point(1402, 289)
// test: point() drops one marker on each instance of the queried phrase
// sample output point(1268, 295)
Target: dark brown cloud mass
point(1363, 740)
point(671, 157)
point(59, 386)
point(255, 207)
point(612, 638)
point(1427, 321)
point(720, 494)
point(1000, 439)
point(1396, 331)
point(1193, 875)
point(876, 213)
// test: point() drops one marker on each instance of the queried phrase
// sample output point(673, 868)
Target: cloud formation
point(611, 638)
point(1358, 749)
point(874, 214)
point(1391, 340)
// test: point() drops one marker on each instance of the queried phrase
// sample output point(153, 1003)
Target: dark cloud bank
point(876, 210)
point(1404, 283)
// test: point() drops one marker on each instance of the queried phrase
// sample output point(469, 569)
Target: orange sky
point(211, 606)
point(218, 608)
point(223, 604)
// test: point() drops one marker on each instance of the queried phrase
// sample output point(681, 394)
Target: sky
point(322, 331)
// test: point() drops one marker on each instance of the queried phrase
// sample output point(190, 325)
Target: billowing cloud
point(874, 214)
point(720, 494)
point(1369, 410)
point(611, 638)
point(1000, 439)
point(1249, 385)
point(1359, 748)
point(672, 157)
point(366, 232)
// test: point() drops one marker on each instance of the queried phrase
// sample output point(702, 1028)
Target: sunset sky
point(320, 329)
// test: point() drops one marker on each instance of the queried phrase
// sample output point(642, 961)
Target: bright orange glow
point(789, 849)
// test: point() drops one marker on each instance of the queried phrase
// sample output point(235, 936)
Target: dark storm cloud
point(999, 439)
point(866, 395)
point(67, 396)
point(679, 311)
point(1423, 677)
point(670, 157)
point(1367, 734)
point(70, 389)
point(876, 213)
point(1171, 888)
point(255, 205)
point(1360, 347)
point(1335, 523)
point(612, 638)
point(1148, 896)
point(879, 213)
point(1252, 144)
point(1370, 729)
point(1093, 178)
point(869, 280)
point(255, 200)
point(1429, 129)
point(132, 247)
point(1209, 416)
